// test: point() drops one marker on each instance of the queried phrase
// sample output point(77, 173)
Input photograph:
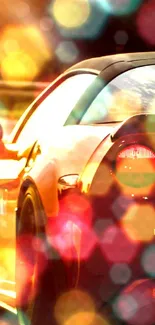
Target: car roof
point(103, 62)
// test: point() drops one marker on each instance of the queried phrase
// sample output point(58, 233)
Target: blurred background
point(39, 39)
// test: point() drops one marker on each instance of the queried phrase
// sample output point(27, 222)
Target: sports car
point(78, 198)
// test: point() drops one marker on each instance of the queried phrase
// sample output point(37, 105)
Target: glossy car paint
point(72, 149)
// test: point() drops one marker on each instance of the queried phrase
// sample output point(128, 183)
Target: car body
point(79, 169)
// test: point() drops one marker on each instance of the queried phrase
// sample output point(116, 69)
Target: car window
point(130, 93)
point(54, 110)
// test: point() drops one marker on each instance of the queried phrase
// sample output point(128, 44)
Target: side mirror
point(66, 182)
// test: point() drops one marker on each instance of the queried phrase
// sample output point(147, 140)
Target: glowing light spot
point(18, 65)
point(81, 317)
point(67, 52)
point(121, 37)
point(129, 162)
point(7, 262)
point(78, 206)
point(24, 51)
point(148, 260)
point(71, 14)
point(70, 237)
point(120, 7)
point(125, 307)
point(136, 303)
point(77, 19)
point(146, 22)
point(120, 205)
point(116, 246)
point(74, 303)
point(11, 45)
point(3, 273)
point(87, 318)
point(120, 273)
point(139, 222)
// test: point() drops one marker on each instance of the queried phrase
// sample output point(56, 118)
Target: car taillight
point(135, 166)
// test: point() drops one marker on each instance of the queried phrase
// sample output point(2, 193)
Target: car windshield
point(132, 92)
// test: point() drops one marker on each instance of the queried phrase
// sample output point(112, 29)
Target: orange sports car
point(79, 169)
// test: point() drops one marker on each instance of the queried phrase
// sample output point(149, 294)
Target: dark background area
point(121, 32)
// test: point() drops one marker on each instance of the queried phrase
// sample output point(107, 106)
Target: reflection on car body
point(85, 220)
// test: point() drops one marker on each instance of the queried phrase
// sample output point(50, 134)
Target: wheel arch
point(24, 187)
point(45, 197)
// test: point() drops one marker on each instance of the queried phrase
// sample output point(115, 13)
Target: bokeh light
point(7, 261)
point(120, 205)
point(145, 22)
point(67, 52)
point(76, 304)
point(87, 318)
point(125, 307)
point(72, 13)
point(117, 247)
point(18, 64)
point(24, 51)
point(136, 303)
point(72, 230)
point(120, 7)
point(139, 222)
point(120, 273)
point(129, 162)
point(148, 260)
point(78, 207)
point(79, 19)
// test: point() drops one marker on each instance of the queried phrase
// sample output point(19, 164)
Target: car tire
point(40, 279)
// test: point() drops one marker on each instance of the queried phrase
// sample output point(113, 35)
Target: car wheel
point(40, 272)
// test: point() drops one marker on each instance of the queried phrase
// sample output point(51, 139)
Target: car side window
point(55, 109)
point(126, 95)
